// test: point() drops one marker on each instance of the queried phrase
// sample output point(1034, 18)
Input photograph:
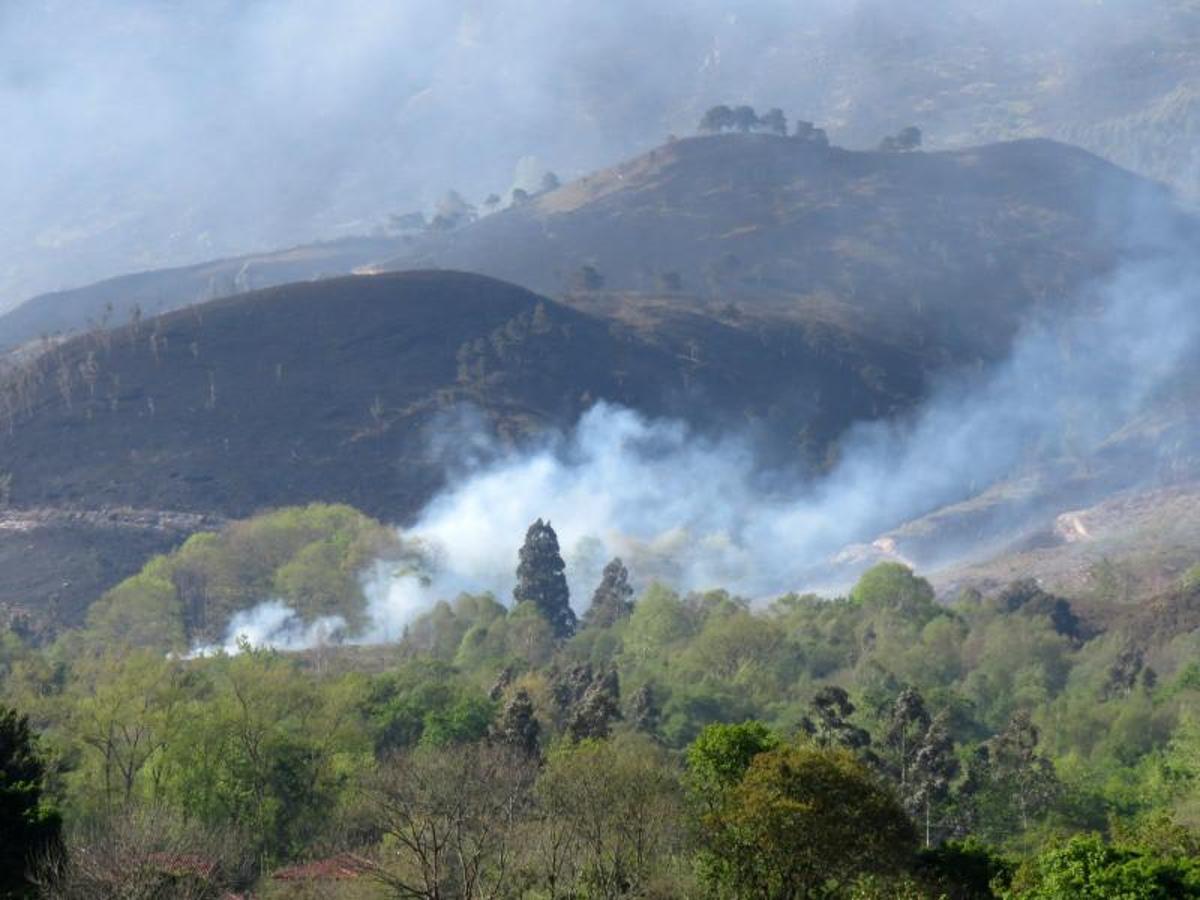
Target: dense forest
point(886, 743)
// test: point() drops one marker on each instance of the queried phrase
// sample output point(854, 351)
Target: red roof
point(342, 867)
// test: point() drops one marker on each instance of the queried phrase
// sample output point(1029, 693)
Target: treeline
point(660, 745)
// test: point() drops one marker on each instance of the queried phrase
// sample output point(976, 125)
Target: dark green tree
point(28, 827)
point(540, 579)
point(1020, 773)
point(934, 768)
point(906, 729)
point(518, 727)
point(829, 724)
point(611, 602)
point(599, 708)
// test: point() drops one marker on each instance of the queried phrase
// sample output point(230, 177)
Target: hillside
point(115, 301)
point(325, 390)
point(785, 287)
point(950, 249)
point(946, 250)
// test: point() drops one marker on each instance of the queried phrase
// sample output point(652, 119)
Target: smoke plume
point(698, 514)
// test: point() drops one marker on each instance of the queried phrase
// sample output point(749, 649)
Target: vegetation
point(28, 828)
point(309, 558)
point(878, 745)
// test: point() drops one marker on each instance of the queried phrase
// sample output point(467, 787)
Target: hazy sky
point(138, 133)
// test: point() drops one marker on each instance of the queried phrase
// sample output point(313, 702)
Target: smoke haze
point(141, 134)
point(698, 514)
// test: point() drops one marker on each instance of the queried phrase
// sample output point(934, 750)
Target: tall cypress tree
point(540, 579)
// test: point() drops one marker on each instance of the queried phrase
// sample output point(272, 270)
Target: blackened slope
point(325, 391)
point(310, 391)
point(115, 300)
point(953, 249)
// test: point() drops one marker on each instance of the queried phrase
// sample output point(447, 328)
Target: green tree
point(829, 723)
point(802, 822)
point(618, 806)
point(720, 755)
point(518, 726)
point(934, 768)
point(893, 586)
point(541, 579)
point(611, 602)
point(907, 725)
point(29, 828)
point(1086, 868)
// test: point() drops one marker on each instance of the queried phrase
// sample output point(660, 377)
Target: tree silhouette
point(540, 579)
point(27, 828)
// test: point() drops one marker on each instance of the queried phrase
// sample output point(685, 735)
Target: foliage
point(311, 558)
point(29, 828)
point(540, 579)
point(989, 730)
point(1087, 868)
point(801, 819)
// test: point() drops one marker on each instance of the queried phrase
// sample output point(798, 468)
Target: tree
point(775, 122)
point(720, 755)
point(148, 854)
point(803, 820)
point(810, 134)
point(717, 119)
point(644, 713)
point(933, 770)
point(518, 727)
point(1020, 772)
point(1085, 866)
point(611, 602)
point(617, 807)
point(550, 182)
point(744, 119)
point(830, 724)
point(449, 818)
point(541, 579)
point(905, 140)
point(893, 586)
point(597, 710)
point(906, 727)
point(29, 828)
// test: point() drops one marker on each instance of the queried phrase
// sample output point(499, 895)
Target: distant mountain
point(952, 249)
point(947, 250)
point(115, 301)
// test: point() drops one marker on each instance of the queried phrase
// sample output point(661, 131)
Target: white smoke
point(696, 513)
point(276, 626)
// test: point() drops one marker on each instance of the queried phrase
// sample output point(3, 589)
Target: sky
point(144, 133)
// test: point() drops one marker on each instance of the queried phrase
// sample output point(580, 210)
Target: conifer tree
point(598, 709)
point(28, 828)
point(541, 581)
point(518, 726)
point(611, 601)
